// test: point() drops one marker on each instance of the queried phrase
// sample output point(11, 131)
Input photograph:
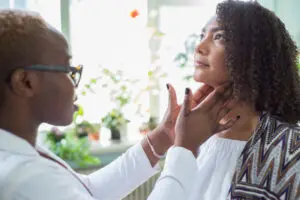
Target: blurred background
point(129, 49)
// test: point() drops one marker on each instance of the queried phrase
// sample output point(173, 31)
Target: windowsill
point(105, 149)
point(107, 152)
point(98, 148)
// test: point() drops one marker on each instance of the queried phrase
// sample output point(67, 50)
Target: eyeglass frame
point(58, 68)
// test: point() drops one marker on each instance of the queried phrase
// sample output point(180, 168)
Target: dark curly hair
point(261, 58)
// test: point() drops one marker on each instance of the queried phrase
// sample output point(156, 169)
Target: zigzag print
point(269, 167)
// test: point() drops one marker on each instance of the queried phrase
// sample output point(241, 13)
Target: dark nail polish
point(187, 91)
point(167, 86)
point(238, 117)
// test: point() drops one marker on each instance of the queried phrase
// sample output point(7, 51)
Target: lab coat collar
point(12, 143)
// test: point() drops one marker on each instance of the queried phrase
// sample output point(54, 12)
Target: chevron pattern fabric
point(269, 166)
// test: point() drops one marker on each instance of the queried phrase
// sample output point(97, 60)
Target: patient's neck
point(244, 127)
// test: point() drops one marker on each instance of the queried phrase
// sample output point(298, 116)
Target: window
point(20, 4)
point(49, 9)
point(104, 34)
point(4, 4)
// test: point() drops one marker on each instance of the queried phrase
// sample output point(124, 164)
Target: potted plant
point(72, 148)
point(86, 129)
point(148, 126)
point(72, 144)
point(114, 121)
point(120, 92)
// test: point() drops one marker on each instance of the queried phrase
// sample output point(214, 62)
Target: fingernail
point(187, 91)
point(238, 117)
point(167, 86)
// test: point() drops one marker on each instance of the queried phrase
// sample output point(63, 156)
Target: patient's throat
point(243, 128)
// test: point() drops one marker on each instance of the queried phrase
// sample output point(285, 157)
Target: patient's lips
point(200, 62)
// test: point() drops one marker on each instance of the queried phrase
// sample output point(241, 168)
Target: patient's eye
point(218, 36)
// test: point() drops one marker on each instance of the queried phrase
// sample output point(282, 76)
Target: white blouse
point(216, 163)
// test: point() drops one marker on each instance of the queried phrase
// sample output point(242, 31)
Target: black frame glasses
point(74, 72)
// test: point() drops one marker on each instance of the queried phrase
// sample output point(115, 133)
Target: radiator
point(143, 191)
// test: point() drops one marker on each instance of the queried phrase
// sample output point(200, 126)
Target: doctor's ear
point(24, 83)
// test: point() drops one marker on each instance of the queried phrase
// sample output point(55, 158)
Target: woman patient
point(248, 45)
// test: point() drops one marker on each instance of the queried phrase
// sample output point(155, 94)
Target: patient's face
point(210, 56)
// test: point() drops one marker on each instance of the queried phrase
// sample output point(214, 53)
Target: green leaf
point(114, 119)
point(73, 149)
point(181, 59)
point(93, 80)
point(150, 73)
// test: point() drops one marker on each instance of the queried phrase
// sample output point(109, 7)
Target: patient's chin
point(211, 83)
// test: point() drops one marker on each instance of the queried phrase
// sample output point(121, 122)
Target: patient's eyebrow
point(213, 29)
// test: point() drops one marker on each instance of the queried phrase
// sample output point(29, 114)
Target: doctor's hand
point(195, 125)
point(162, 137)
point(167, 125)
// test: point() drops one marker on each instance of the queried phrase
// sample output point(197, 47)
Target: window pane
point(103, 33)
point(20, 4)
point(48, 9)
point(4, 4)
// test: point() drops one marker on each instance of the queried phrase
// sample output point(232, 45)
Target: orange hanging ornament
point(134, 13)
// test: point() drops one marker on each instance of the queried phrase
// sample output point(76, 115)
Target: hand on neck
point(244, 127)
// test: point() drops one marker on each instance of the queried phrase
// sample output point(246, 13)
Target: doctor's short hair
point(261, 58)
point(20, 41)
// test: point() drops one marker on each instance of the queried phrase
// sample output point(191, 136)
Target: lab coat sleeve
point(121, 177)
point(178, 177)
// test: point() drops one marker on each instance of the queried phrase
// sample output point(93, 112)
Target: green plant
point(114, 120)
point(150, 125)
point(120, 90)
point(118, 86)
point(72, 144)
point(70, 147)
point(182, 58)
point(78, 114)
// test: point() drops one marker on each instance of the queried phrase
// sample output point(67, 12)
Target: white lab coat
point(25, 175)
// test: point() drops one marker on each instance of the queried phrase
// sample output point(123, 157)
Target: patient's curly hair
point(261, 58)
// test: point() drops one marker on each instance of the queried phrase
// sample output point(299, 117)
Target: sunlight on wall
point(104, 34)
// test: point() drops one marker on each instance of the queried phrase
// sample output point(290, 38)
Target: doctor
point(37, 86)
